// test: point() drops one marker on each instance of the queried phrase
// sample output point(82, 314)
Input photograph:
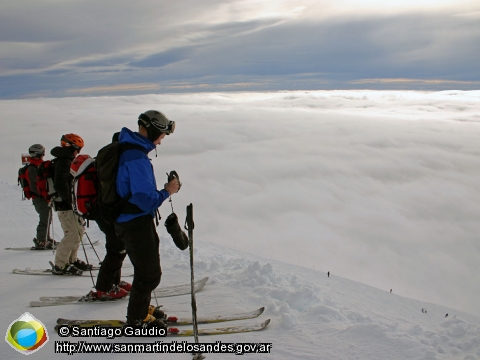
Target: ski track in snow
point(313, 316)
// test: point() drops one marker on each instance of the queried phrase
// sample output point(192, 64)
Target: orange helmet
point(73, 140)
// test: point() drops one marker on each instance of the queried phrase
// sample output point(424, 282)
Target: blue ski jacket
point(136, 177)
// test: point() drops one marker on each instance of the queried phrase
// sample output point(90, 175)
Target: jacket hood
point(128, 136)
point(62, 152)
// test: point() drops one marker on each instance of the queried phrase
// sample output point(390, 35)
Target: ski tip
point(263, 325)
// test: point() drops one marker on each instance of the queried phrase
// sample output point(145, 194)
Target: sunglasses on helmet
point(164, 125)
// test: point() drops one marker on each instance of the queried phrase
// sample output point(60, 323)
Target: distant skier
point(390, 291)
point(446, 315)
point(328, 274)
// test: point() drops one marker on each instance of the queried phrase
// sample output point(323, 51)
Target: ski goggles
point(163, 124)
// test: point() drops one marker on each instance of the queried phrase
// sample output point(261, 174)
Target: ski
point(173, 331)
point(171, 320)
point(42, 249)
point(166, 291)
point(34, 248)
point(28, 271)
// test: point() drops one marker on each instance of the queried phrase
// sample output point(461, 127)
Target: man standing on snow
point(66, 260)
point(109, 285)
point(43, 240)
point(136, 181)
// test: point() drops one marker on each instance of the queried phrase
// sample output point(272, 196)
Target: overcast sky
point(118, 47)
point(380, 187)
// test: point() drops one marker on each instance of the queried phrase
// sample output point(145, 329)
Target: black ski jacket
point(62, 179)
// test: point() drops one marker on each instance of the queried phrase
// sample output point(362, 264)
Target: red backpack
point(84, 189)
point(45, 180)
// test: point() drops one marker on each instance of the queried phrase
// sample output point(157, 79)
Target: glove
point(173, 227)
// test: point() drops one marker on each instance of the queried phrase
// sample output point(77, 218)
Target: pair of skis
point(174, 331)
point(171, 321)
point(95, 242)
point(166, 291)
point(29, 271)
point(49, 271)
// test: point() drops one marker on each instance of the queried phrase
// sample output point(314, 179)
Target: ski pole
point(91, 244)
point(80, 231)
point(189, 225)
point(50, 223)
point(156, 299)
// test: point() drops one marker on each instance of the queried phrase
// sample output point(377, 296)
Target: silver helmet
point(156, 123)
point(37, 150)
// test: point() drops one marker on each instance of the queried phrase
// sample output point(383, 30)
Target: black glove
point(173, 227)
point(173, 175)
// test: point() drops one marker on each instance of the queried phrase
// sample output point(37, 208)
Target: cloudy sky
point(117, 47)
point(381, 187)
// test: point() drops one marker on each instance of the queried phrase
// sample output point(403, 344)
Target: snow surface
point(313, 316)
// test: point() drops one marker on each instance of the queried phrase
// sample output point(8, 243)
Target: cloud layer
point(377, 186)
point(79, 47)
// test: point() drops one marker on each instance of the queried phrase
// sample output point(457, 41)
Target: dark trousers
point(142, 245)
point(44, 218)
point(111, 268)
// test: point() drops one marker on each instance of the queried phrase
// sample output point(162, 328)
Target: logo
point(26, 334)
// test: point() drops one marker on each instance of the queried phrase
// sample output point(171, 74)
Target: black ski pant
point(111, 268)
point(44, 218)
point(142, 245)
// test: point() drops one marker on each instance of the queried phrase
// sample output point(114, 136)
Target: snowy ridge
point(322, 315)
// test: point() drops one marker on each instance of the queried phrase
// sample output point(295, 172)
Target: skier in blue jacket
point(136, 180)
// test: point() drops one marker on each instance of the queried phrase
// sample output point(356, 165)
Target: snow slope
point(313, 316)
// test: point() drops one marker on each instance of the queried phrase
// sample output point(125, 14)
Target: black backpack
point(109, 204)
point(23, 182)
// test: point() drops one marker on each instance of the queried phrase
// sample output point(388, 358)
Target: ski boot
point(150, 321)
point(39, 245)
point(125, 285)
point(68, 269)
point(82, 265)
point(50, 244)
point(156, 312)
point(114, 294)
